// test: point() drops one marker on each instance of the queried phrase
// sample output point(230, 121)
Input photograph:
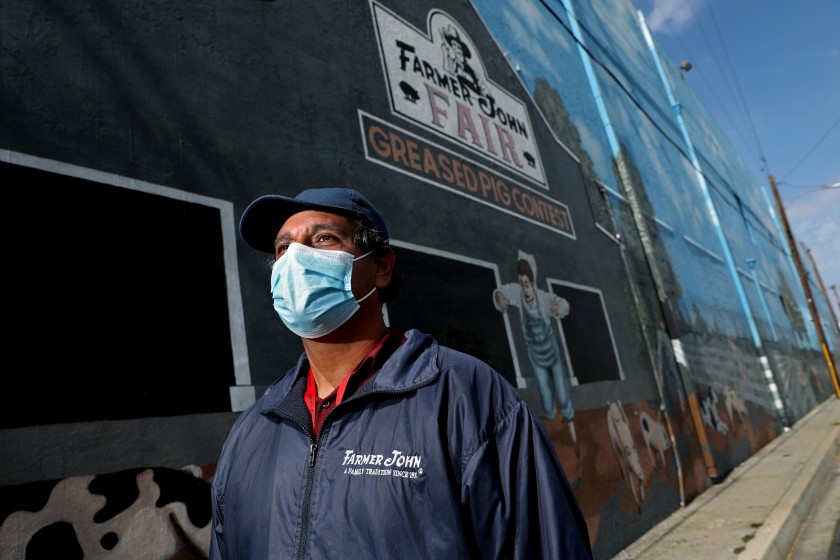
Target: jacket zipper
point(307, 500)
point(313, 454)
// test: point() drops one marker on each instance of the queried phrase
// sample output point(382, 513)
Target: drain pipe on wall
point(769, 375)
point(644, 235)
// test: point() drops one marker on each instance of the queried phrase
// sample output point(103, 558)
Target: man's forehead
point(314, 220)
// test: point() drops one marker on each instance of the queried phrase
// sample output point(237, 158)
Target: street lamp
point(812, 189)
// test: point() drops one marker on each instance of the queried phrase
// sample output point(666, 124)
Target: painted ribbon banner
point(404, 152)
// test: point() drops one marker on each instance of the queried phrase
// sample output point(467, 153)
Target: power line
point(699, 69)
point(636, 89)
point(811, 151)
point(744, 106)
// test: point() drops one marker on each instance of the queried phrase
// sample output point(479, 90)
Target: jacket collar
point(412, 365)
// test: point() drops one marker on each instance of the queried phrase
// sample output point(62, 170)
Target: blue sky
point(769, 73)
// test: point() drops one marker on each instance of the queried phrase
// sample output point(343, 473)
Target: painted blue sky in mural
point(769, 73)
point(781, 114)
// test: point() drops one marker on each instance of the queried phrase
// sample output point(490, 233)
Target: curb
point(776, 536)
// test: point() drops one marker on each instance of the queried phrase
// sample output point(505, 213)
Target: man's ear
point(384, 268)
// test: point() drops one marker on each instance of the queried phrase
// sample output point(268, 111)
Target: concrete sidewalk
point(756, 513)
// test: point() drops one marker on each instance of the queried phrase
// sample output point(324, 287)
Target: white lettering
point(390, 460)
point(397, 458)
point(351, 458)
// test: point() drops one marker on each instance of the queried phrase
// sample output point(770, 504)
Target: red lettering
point(561, 218)
point(517, 201)
point(486, 182)
point(398, 149)
point(508, 145)
point(500, 189)
point(466, 124)
point(472, 180)
point(429, 165)
point(447, 171)
point(437, 112)
point(378, 139)
point(414, 156)
point(459, 175)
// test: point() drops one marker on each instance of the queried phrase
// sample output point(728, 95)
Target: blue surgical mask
point(312, 289)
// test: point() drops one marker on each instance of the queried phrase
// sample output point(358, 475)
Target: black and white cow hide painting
point(152, 513)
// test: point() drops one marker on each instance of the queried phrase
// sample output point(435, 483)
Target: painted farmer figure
point(377, 442)
point(456, 55)
point(537, 308)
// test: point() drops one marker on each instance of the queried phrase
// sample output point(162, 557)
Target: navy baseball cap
point(266, 215)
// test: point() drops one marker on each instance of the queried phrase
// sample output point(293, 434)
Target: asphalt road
point(819, 538)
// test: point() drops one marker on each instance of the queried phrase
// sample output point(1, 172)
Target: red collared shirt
point(370, 364)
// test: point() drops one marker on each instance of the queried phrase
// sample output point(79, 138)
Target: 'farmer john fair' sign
point(438, 81)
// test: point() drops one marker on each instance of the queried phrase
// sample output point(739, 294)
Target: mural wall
point(552, 215)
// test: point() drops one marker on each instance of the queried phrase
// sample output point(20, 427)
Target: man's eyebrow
point(312, 230)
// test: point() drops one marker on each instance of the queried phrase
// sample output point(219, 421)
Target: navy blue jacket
point(435, 456)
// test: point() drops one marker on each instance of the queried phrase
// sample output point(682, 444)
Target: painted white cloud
point(813, 219)
point(670, 16)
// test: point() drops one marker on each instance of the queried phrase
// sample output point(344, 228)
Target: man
point(378, 443)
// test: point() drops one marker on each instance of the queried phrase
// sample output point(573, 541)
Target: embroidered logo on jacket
point(397, 463)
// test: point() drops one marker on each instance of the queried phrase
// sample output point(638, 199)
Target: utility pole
point(815, 318)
